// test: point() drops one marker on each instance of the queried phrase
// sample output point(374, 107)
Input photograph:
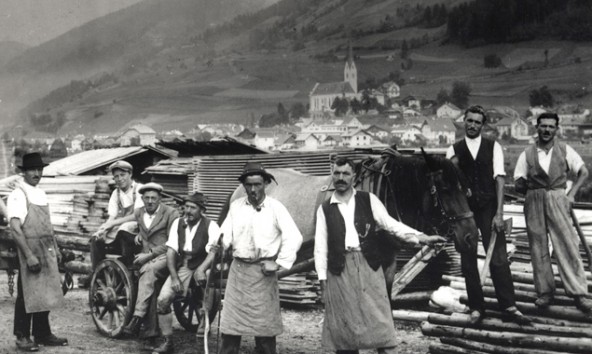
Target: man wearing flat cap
point(39, 283)
point(264, 239)
point(154, 222)
point(121, 224)
point(191, 249)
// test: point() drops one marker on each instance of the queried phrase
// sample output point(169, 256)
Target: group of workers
point(165, 246)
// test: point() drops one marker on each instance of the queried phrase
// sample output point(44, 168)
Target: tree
point(297, 110)
point(460, 94)
point(283, 114)
point(355, 105)
point(541, 97)
point(340, 105)
point(404, 49)
point(58, 149)
point(443, 97)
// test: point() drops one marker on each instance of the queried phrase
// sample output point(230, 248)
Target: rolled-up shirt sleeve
point(450, 152)
point(574, 160)
point(291, 237)
point(173, 240)
point(213, 235)
point(385, 222)
point(498, 160)
point(521, 170)
point(16, 206)
point(320, 246)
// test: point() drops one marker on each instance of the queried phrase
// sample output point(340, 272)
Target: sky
point(33, 22)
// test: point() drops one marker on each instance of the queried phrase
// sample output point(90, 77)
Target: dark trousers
point(231, 345)
point(499, 267)
point(123, 244)
point(22, 319)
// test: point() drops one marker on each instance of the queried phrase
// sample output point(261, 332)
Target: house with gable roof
point(138, 134)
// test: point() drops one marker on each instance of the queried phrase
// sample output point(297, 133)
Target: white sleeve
point(498, 160)
point(574, 160)
point(226, 229)
point(387, 223)
point(139, 202)
point(213, 235)
point(521, 170)
point(113, 208)
point(450, 152)
point(173, 240)
point(320, 247)
point(16, 205)
point(291, 237)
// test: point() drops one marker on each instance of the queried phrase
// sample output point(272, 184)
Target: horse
point(424, 191)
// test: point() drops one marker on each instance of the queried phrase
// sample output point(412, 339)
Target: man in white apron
point(39, 283)
point(264, 238)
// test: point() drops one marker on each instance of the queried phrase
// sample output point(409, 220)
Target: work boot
point(544, 301)
point(25, 344)
point(512, 314)
point(51, 341)
point(133, 327)
point(166, 347)
point(584, 304)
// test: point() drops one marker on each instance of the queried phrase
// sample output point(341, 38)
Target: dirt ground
point(302, 331)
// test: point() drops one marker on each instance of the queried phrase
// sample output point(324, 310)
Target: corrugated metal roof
point(90, 160)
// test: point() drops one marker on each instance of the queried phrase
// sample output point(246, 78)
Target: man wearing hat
point(154, 222)
point(121, 224)
point(39, 283)
point(264, 239)
point(190, 239)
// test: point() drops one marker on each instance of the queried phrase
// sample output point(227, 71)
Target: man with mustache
point(348, 263)
point(541, 172)
point(39, 284)
point(481, 161)
point(264, 239)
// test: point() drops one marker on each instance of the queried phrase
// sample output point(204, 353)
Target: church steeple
point(350, 73)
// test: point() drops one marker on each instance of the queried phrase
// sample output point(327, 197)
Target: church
point(323, 95)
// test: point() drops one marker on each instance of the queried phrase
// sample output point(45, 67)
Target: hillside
point(172, 71)
point(9, 50)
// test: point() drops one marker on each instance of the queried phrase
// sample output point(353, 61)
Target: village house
point(307, 141)
point(138, 135)
point(512, 128)
point(439, 131)
point(359, 138)
point(285, 142)
point(332, 141)
point(76, 143)
point(391, 89)
point(378, 132)
point(448, 110)
point(410, 112)
point(324, 127)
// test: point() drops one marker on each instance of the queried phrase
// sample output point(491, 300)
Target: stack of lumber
point(299, 288)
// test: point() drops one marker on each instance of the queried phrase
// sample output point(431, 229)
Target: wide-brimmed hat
point(198, 198)
point(32, 160)
point(150, 187)
point(122, 165)
point(255, 168)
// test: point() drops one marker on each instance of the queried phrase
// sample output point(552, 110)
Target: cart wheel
point(112, 296)
point(187, 308)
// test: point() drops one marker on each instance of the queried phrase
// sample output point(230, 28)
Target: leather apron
point(41, 291)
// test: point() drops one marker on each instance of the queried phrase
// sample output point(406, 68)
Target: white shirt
point(383, 222)
point(474, 145)
point(573, 159)
point(173, 241)
point(262, 234)
point(127, 199)
point(148, 218)
point(17, 201)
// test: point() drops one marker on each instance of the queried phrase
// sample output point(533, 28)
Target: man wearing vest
point(154, 222)
point(121, 224)
point(38, 284)
point(481, 161)
point(357, 306)
point(264, 239)
point(541, 173)
point(191, 249)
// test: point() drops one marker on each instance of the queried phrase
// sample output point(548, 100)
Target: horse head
point(448, 204)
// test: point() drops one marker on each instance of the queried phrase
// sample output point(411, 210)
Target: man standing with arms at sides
point(190, 240)
point(357, 307)
point(481, 161)
point(264, 239)
point(39, 283)
point(121, 225)
point(541, 173)
point(154, 222)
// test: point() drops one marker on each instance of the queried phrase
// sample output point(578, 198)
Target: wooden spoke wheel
point(187, 309)
point(112, 296)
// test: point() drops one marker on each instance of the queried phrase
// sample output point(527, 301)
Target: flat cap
point(197, 198)
point(122, 165)
point(150, 187)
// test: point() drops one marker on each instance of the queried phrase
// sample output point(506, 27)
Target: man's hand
point(200, 277)
point(33, 264)
point(176, 285)
point(323, 289)
point(498, 222)
point(142, 258)
point(269, 267)
point(430, 240)
point(138, 239)
point(214, 248)
point(59, 256)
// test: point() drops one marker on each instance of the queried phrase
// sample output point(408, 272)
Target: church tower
point(350, 73)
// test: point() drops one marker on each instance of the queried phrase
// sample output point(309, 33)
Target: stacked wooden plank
point(299, 289)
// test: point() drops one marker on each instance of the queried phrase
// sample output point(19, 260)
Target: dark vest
point(557, 176)
point(365, 226)
point(479, 171)
point(198, 247)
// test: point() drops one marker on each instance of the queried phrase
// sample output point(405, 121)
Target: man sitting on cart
point(121, 224)
point(154, 222)
point(190, 239)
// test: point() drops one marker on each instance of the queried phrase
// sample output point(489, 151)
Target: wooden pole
point(582, 238)
point(440, 348)
point(412, 268)
point(78, 267)
point(412, 316)
point(304, 266)
point(492, 348)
